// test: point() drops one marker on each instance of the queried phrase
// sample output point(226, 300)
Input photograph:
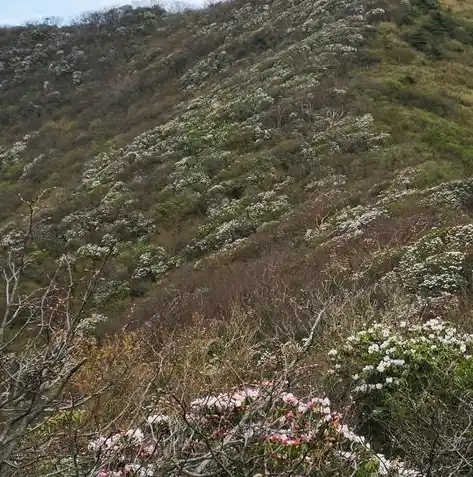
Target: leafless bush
point(43, 330)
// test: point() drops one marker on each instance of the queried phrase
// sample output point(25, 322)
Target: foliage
point(405, 373)
point(253, 430)
point(231, 171)
point(438, 263)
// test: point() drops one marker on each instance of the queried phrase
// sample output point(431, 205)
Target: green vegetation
point(190, 198)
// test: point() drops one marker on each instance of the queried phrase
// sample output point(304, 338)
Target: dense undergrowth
point(238, 241)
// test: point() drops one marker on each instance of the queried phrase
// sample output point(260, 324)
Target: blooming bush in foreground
point(254, 430)
point(412, 383)
point(387, 356)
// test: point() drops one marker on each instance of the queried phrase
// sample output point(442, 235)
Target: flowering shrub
point(455, 194)
point(386, 356)
point(397, 373)
point(348, 223)
point(251, 430)
point(439, 262)
point(13, 155)
point(152, 261)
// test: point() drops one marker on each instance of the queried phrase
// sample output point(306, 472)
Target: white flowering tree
point(43, 324)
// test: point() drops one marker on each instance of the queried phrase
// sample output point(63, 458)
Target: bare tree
point(42, 327)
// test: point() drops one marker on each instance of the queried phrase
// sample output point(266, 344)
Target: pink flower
point(283, 439)
point(272, 438)
point(289, 398)
point(148, 450)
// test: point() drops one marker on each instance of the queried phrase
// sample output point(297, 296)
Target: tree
point(43, 325)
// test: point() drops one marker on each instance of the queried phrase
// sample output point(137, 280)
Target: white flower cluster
point(76, 78)
point(454, 194)
point(31, 166)
point(348, 223)
point(13, 154)
point(438, 263)
point(89, 324)
point(153, 261)
point(118, 447)
point(157, 419)
point(331, 181)
point(225, 401)
point(242, 218)
point(377, 12)
point(13, 240)
point(343, 133)
point(386, 466)
point(384, 355)
point(93, 251)
point(110, 288)
point(185, 176)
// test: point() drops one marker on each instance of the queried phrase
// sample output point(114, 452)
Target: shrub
point(259, 430)
point(411, 385)
point(439, 263)
point(432, 173)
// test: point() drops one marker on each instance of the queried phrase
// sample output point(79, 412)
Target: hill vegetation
point(238, 241)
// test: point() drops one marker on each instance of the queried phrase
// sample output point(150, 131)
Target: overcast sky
point(14, 12)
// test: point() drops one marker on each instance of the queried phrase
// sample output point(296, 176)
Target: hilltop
point(187, 197)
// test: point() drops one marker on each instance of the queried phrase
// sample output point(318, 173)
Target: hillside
point(189, 200)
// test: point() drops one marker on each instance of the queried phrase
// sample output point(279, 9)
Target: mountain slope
point(211, 164)
point(262, 159)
